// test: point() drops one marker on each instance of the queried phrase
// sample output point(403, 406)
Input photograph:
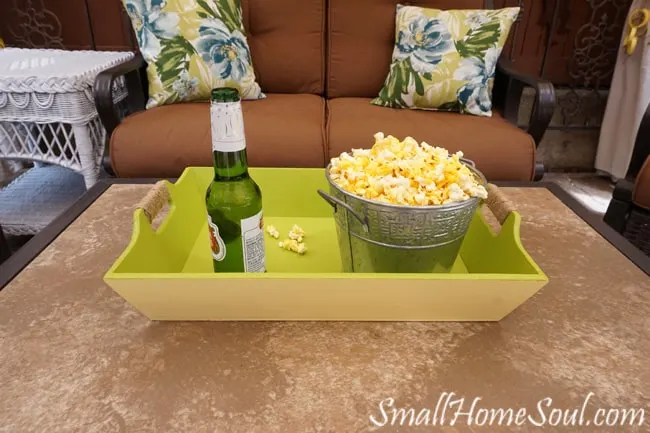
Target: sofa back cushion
point(287, 43)
point(361, 40)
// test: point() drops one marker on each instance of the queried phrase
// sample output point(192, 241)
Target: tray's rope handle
point(498, 203)
point(155, 200)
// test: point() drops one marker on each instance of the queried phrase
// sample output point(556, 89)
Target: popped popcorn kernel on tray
point(296, 233)
point(293, 245)
point(405, 173)
point(295, 241)
point(273, 232)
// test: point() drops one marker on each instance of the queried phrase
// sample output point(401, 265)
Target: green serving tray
point(167, 273)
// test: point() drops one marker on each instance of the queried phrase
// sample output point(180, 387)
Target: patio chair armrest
point(544, 104)
point(105, 104)
point(620, 206)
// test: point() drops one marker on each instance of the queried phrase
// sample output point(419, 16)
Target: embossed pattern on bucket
point(394, 230)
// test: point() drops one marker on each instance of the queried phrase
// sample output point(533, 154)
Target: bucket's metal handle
point(498, 203)
point(468, 162)
point(334, 202)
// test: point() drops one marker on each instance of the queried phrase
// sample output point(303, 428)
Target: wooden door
point(69, 24)
point(111, 27)
point(568, 42)
point(527, 42)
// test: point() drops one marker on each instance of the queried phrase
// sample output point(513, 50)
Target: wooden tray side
point(485, 251)
point(373, 299)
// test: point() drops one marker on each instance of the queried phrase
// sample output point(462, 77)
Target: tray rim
point(138, 216)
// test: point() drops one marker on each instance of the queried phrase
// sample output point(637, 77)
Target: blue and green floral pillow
point(445, 60)
point(192, 46)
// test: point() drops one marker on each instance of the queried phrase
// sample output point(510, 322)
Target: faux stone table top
point(75, 357)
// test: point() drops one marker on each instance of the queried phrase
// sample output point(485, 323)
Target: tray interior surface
point(180, 245)
point(322, 257)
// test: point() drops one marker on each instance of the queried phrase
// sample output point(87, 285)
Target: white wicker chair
point(48, 116)
point(47, 106)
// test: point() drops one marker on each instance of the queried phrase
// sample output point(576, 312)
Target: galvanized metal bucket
point(380, 237)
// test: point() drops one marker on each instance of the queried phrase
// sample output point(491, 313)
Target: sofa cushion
point(641, 195)
point(361, 37)
point(281, 131)
point(287, 41)
point(501, 151)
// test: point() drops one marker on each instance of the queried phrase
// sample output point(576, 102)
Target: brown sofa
point(320, 62)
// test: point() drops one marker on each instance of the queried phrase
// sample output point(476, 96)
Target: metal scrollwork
point(32, 25)
point(592, 63)
point(582, 108)
point(597, 43)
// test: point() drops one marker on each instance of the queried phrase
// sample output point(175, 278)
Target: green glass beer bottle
point(233, 199)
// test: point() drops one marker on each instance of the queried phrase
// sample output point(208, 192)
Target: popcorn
point(293, 245)
point(296, 233)
point(405, 173)
point(273, 232)
point(295, 241)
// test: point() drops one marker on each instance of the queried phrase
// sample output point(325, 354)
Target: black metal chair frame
point(622, 214)
point(5, 252)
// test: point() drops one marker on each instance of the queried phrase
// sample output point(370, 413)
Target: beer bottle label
point(216, 242)
point(253, 243)
point(227, 123)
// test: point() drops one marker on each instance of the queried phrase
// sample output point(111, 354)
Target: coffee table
point(76, 357)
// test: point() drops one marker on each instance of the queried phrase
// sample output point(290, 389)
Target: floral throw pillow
point(192, 46)
point(446, 60)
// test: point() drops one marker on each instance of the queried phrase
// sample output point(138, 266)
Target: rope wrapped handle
point(155, 200)
point(498, 203)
